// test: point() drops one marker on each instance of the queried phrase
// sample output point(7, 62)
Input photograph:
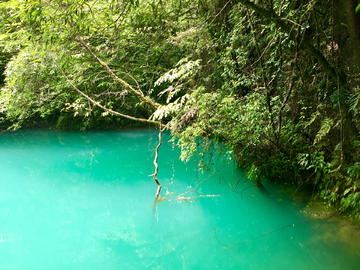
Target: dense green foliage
point(277, 82)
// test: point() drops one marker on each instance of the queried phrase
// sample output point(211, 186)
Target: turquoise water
point(73, 200)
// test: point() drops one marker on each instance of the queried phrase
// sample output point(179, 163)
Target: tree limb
point(238, 181)
point(116, 78)
point(306, 44)
point(97, 103)
point(127, 86)
point(156, 166)
point(353, 25)
point(283, 106)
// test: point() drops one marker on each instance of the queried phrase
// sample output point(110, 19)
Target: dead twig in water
point(238, 181)
point(244, 190)
point(202, 181)
point(156, 171)
point(303, 183)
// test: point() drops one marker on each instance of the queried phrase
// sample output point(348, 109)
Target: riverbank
point(337, 226)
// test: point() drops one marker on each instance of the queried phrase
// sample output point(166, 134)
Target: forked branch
point(127, 86)
point(97, 103)
point(157, 195)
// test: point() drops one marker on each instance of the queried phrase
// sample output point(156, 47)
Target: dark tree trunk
point(353, 25)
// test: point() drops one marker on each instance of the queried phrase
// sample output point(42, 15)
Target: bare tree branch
point(116, 78)
point(283, 106)
point(305, 45)
point(127, 86)
point(97, 103)
point(267, 47)
point(156, 165)
point(239, 181)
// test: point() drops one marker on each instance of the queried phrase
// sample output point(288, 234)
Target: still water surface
point(74, 200)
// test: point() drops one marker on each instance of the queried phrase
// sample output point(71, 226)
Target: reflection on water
point(72, 200)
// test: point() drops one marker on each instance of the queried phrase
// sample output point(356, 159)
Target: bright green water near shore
point(72, 200)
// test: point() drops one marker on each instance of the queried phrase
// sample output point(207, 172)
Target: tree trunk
point(353, 25)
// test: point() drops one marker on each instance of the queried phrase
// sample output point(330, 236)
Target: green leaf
point(347, 191)
point(355, 100)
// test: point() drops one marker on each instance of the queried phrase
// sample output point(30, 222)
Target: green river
point(83, 200)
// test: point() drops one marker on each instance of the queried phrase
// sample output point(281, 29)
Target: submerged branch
point(193, 189)
point(244, 190)
point(157, 195)
point(239, 181)
point(157, 167)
